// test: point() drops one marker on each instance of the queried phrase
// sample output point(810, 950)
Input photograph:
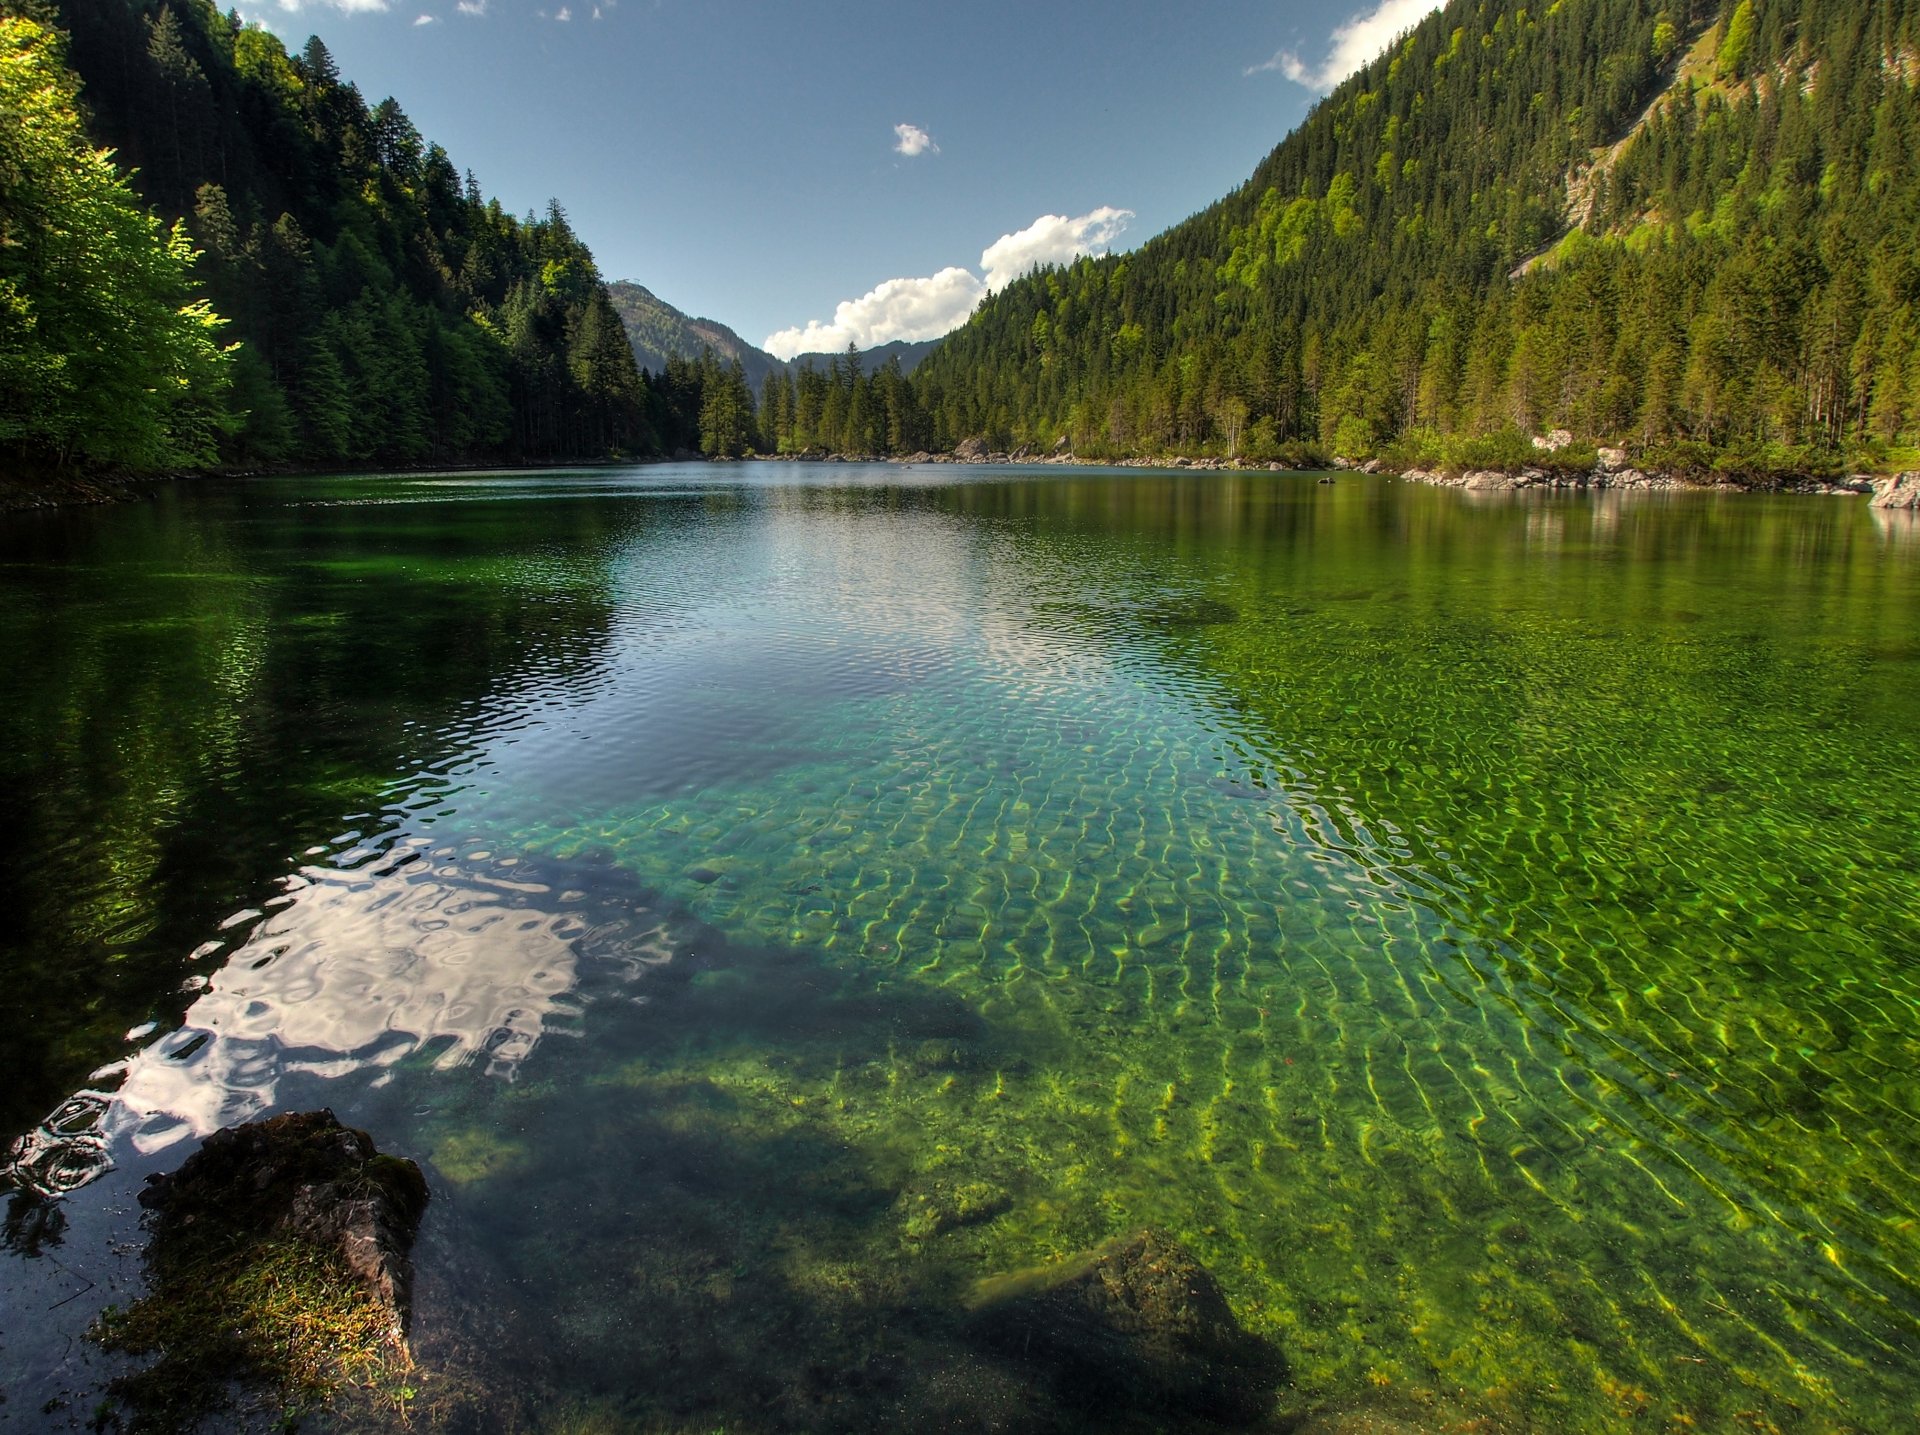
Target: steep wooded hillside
point(1456, 248)
point(661, 332)
point(386, 311)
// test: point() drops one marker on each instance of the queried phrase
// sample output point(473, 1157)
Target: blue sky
point(867, 169)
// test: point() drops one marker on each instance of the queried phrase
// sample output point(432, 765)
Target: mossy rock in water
point(278, 1262)
point(1136, 1323)
point(944, 1207)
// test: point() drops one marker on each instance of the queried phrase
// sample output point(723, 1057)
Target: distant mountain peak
point(659, 332)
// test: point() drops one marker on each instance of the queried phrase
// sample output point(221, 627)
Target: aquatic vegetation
point(289, 1317)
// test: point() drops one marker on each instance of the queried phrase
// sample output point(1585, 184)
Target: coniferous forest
point(1680, 226)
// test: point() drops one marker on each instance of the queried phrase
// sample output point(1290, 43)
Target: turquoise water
point(769, 899)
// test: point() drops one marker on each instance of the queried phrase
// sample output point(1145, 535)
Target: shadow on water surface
point(199, 686)
point(645, 1227)
point(676, 1181)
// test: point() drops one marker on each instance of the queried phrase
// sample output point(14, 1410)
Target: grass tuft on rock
point(282, 1318)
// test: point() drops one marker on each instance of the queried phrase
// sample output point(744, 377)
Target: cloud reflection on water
point(434, 951)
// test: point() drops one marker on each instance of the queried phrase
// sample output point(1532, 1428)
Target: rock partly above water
point(278, 1277)
point(1135, 1323)
point(307, 1178)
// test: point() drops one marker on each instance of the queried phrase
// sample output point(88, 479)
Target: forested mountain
point(909, 352)
point(726, 397)
point(660, 332)
point(105, 356)
point(1681, 224)
point(842, 405)
point(385, 311)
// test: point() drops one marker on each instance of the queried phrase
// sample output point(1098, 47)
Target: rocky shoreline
point(1612, 470)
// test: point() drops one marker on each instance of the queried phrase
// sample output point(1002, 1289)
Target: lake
point(768, 899)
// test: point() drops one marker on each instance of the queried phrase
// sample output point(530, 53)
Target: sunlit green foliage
point(104, 353)
point(845, 409)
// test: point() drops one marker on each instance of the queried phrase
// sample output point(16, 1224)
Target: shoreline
point(1903, 489)
point(1612, 473)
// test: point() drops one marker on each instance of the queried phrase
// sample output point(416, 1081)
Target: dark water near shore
point(767, 899)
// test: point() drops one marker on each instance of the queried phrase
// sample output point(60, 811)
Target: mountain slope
point(1740, 290)
point(660, 332)
point(910, 352)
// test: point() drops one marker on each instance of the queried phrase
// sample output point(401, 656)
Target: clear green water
point(769, 899)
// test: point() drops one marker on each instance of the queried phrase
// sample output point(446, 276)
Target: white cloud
point(1051, 239)
point(472, 7)
point(351, 7)
point(927, 308)
point(564, 14)
point(913, 140)
point(898, 309)
point(1352, 44)
point(423, 20)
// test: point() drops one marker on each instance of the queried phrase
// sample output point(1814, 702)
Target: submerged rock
point(1137, 1322)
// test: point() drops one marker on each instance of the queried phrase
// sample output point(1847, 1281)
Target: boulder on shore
point(1900, 491)
point(1135, 1323)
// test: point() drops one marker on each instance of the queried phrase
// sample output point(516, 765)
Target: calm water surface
point(768, 899)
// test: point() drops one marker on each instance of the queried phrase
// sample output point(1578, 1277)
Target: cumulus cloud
point(913, 309)
point(423, 20)
point(912, 140)
point(1352, 44)
point(898, 309)
point(472, 7)
point(564, 14)
point(1051, 239)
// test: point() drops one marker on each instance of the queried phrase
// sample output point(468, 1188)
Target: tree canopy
point(105, 354)
point(385, 312)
